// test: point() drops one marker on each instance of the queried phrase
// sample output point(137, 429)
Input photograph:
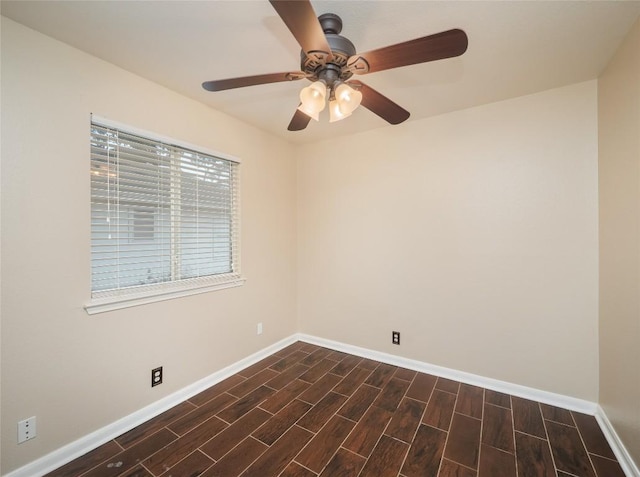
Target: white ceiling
point(515, 48)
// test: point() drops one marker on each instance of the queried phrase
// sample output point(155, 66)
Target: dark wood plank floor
point(308, 411)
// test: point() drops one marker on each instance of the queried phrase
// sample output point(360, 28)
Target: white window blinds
point(163, 217)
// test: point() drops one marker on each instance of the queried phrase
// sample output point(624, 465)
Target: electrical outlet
point(259, 329)
point(26, 429)
point(156, 376)
point(395, 337)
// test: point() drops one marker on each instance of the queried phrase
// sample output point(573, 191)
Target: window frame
point(118, 298)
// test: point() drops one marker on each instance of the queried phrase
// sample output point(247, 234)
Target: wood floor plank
point(129, 458)
point(237, 460)
point(192, 465)
point(242, 406)
point(497, 428)
point(365, 435)
point(440, 410)
point(406, 420)
point(463, 445)
point(345, 366)
point(177, 450)
point(350, 383)
point(568, 451)
point(277, 425)
point(527, 417)
point(359, 402)
point(606, 467)
point(317, 371)
point(379, 377)
point(497, 398)
point(323, 446)
point(296, 470)
point(392, 394)
point(496, 463)
point(320, 388)
point(315, 357)
point(344, 464)
point(201, 414)
point(252, 383)
point(286, 377)
point(235, 433)
point(425, 453)
point(337, 356)
point(556, 414)
point(310, 347)
point(453, 469)
point(533, 456)
point(422, 387)
point(406, 374)
point(278, 456)
point(448, 385)
point(284, 396)
point(592, 435)
point(320, 414)
point(290, 360)
point(137, 471)
point(386, 458)
point(470, 401)
point(369, 364)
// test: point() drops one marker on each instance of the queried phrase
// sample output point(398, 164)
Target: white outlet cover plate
point(26, 429)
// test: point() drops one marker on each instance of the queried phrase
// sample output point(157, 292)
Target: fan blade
point(379, 104)
point(446, 44)
point(299, 121)
point(231, 83)
point(303, 23)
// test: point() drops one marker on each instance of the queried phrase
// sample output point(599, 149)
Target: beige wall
point(76, 372)
point(474, 234)
point(619, 177)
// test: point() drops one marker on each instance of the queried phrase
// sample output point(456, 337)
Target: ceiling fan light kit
point(329, 61)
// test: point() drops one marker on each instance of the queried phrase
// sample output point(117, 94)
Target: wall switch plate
point(259, 328)
point(395, 337)
point(156, 376)
point(26, 429)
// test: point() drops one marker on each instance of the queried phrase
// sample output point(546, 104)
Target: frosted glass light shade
point(312, 99)
point(348, 98)
point(335, 112)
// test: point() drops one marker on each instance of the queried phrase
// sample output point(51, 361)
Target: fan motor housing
point(315, 62)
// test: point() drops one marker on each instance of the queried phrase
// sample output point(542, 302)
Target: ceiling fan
point(330, 60)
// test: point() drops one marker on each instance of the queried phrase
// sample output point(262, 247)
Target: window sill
point(118, 302)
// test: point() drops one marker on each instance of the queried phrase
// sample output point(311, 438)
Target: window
point(164, 219)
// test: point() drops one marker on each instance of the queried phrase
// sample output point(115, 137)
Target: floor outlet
point(26, 429)
point(259, 328)
point(156, 376)
point(395, 337)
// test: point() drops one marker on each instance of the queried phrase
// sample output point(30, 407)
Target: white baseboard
point(622, 454)
point(91, 441)
point(85, 444)
point(546, 397)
